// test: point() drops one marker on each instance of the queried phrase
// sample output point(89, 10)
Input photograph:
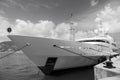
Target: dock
point(103, 73)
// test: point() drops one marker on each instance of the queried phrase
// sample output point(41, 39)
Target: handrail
point(109, 57)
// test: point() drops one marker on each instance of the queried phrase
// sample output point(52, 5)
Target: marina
point(39, 73)
point(15, 61)
point(60, 57)
point(59, 40)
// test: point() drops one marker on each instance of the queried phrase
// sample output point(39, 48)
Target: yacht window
point(93, 41)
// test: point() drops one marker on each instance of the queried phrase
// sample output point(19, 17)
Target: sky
point(52, 18)
point(54, 10)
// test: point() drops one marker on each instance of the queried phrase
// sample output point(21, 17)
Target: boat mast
point(72, 30)
point(101, 29)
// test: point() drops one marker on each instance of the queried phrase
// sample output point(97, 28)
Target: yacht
point(53, 54)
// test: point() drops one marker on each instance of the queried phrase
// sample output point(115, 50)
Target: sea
point(18, 66)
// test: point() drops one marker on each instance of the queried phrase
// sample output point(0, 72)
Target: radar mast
point(72, 29)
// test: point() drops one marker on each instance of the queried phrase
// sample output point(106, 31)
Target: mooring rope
point(27, 44)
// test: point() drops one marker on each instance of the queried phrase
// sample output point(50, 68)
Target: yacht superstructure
point(105, 41)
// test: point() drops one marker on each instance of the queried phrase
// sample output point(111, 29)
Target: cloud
point(63, 31)
point(4, 3)
point(41, 29)
point(83, 34)
point(15, 3)
point(110, 18)
point(4, 23)
point(12, 3)
point(94, 2)
point(2, 12)
point(46, 6)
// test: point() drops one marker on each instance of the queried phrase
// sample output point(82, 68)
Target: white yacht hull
point(43, 51)
point(66, 62)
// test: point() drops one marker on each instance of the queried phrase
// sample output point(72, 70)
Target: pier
point(103, 73)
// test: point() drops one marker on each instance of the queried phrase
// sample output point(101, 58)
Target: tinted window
point(93, 41)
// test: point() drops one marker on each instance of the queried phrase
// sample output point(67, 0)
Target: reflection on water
point(18, 67)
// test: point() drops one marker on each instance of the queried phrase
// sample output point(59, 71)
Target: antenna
point(101, 28)
point(72, 29)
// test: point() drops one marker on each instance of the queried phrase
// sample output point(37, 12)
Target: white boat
point(53, 54)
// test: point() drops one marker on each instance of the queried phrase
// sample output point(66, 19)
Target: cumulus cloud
point(2, 11)
point(4, 23)
point(28, 28)
point(110, 18)
point(48, 29)
point(41, 29)
point(44, 28)
point(63, 31)
point(94, 2)
point(14, 3)
point(83, 34)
